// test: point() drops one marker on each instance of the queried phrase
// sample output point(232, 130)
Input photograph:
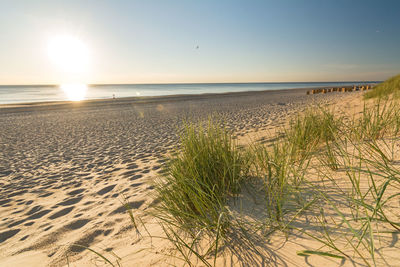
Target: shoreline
point(45, 105)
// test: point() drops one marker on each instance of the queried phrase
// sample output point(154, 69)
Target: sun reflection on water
point(74, 92)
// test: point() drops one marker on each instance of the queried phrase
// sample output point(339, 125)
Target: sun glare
point(74, 92)
point(68, 53)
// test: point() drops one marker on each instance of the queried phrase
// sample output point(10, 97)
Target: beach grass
point(207, 169)
point(345, 164)
point(308, 130)
point(385, 89)
point(281, 177)
point(380, 120)
point(366, 154)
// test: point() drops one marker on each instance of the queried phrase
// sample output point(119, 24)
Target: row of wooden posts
point(337, 89)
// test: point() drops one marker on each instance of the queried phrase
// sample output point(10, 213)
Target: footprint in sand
point(61, 213)
point(2, 202)
point(107, 232)
point(132, 166)
point(129, 173)
point(136, 177)
point(34, 216)
point(17, 193)
point(46, 194)
point(156, 167)
point(76, 224)
point(132, 205)
point(75, 192)
point(8, 234)
point(38, 215)
point(70, 201)
point(85, 241)
point(106, 189)
point(34, 209)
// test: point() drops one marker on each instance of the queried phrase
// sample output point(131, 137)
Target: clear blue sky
point(239, 41)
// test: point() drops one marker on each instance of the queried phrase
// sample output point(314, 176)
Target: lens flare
point(74, 92)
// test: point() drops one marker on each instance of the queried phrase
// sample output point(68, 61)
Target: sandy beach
point(65, 168)
point(199, 133)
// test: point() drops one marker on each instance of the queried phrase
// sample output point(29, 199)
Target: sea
point(10, 94)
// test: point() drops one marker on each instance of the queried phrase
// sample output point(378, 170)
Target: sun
point(74, 92)
point(68, 53)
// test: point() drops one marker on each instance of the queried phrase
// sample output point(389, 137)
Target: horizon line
point(178, 83)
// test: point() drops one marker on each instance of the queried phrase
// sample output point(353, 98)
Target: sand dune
point(65, 167)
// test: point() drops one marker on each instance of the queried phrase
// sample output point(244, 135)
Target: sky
point(200, 41)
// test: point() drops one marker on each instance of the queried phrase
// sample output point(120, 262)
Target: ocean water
point(40, 93)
